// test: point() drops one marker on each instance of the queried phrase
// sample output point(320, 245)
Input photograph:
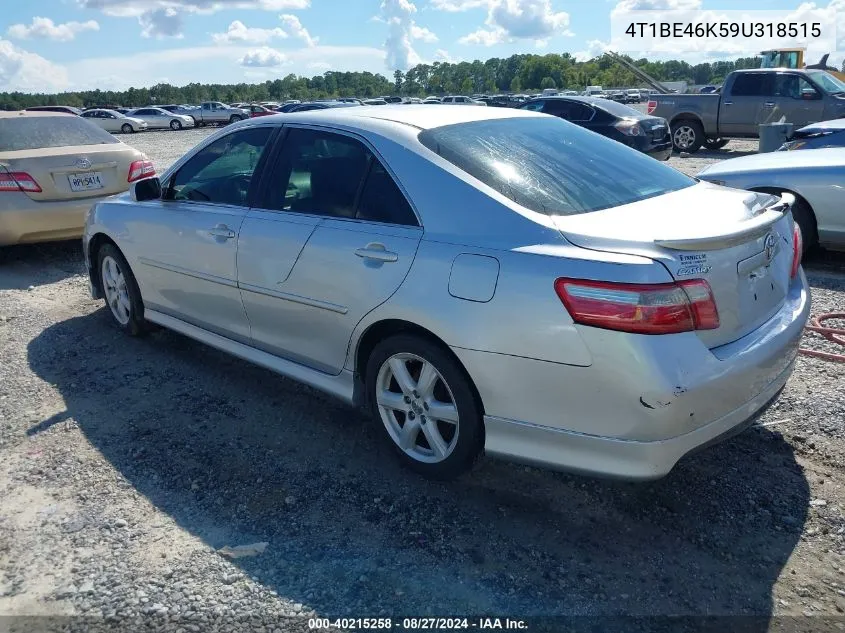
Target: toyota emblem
point(769, 246)
point(83, 163)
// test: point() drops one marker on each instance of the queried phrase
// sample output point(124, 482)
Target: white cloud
point(320, 66)
point(423, 34)
point(28, 72)
point(515, 19)
point(160, 23)
point(399, 17)
point(441, 55)
point(264, 57)
point(458, 5)
point(240, 32)
point(134, 8)
point(45, 28)
point(594, 49)
point(294, 28)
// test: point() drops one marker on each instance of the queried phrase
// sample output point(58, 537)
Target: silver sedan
point(159, 118)
point(114, 121)
point(483, 279)
point(813, 176)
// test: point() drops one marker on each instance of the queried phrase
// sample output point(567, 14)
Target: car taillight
point(628, 127)
point(18, 181)
point(640, 308)
point(797, 249)
point(140, 169)
point(651, 107)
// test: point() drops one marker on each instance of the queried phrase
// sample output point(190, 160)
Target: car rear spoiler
point(754, 227)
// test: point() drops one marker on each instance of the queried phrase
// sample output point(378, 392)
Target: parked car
point(817, 136)
point(61, 109)
point(412, 100)
point(389, 99)
point(53, 167)
point(814, 177)
point(485, 279)
point(180, 109)
point(216, 113)
point(749, 98)
point(113, 121)
point(706, 90)
point(632, 96)
point(320, 105)
point(287, 107)
point(452, 100)
point(374, 102)
point(622, 123)
point(256, 110)
point(430, 100)
point(159, 119)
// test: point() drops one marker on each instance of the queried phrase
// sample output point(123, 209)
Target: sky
point(55, 45)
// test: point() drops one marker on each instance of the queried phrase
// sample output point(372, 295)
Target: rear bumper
point(660, 151)
point(644, 402)
point(23, 220)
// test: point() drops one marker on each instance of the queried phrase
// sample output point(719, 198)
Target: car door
point(334, 239)
point(744, 107)
point(186, 243)
point(796, 99)
point(109, 122)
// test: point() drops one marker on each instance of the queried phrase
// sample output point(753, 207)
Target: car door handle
point(727, 103)
point(769, 104)
point(221, 230)
point(376, 252)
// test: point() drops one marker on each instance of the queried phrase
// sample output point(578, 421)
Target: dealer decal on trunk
point(695, 264)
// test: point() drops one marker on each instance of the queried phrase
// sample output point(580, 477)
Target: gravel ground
point(127, 464)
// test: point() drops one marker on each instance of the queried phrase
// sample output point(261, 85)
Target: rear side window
point(36, 132)
point(752, 85)
point(382, 201)
point(551, 166)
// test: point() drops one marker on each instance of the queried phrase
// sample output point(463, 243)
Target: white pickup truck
point(216, 113)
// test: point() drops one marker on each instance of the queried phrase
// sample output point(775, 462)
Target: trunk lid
point(77, 172)
point(739, 241)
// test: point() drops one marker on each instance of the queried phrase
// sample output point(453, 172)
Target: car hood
point(827, 157)
point(822, 126)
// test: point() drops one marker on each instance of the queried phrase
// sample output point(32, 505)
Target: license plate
point(86, 182)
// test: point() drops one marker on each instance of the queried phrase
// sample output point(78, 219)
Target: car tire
point(126, 128)
point(439, 448)
point(717, 143)
point(121, 292)
point(235, 118)
point(687, 135)
point(175, 124)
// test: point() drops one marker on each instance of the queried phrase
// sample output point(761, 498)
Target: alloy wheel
point(417, 408)
point(684, 136)
point(115, 290)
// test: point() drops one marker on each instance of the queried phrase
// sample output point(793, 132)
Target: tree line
point(517, 73)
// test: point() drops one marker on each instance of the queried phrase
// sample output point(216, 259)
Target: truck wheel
point(716, 143)
point(687, 135)
point(235, 118)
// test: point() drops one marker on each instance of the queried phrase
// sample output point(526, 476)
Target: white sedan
point(114, 121)
point(159, 118)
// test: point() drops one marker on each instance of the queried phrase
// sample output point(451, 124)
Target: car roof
point(31, 113)
point(413, 115)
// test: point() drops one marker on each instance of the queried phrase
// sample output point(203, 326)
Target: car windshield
point(551, 166)
point(828, 82)
point(21, 133)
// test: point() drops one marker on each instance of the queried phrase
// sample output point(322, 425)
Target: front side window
point(221, 173)
point(550, 166)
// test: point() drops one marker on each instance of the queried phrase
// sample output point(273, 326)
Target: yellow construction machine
point(794, 58)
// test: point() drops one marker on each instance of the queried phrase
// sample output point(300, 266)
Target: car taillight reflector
point(640, 308)
point(18, 181)
point(651, 107)
point(797, 249)
point(140, 169)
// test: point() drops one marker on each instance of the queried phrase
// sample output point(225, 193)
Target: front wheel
point(716, 143)
point(426, 406)
point(235, 118)
point(123, 297)
point(126, 128)
point(687, 136)
point(175, 124)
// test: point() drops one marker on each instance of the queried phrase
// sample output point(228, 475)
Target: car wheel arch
point(97, 241)
point(686, 116)
point(800, 200)
point(378, 331)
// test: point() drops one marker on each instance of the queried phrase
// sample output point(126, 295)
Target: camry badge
point(769, 246)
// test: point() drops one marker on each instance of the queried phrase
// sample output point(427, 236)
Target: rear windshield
point(551, 166)
point(17, 133)
point(618, 109)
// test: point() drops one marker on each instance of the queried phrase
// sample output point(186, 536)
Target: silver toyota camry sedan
point(483, 279)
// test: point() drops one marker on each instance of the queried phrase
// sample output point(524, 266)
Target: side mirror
point(146, 189)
